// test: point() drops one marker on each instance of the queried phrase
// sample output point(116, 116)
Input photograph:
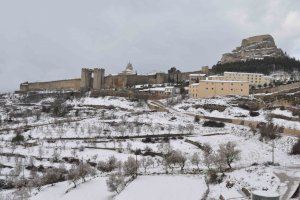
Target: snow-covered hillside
point(58, 136)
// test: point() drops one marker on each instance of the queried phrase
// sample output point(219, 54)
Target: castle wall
point(95, 80)
point(70, 84)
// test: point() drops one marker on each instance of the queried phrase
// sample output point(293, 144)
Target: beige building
point(253, 78)
point(212, 88)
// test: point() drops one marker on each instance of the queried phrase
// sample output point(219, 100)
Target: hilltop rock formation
point(256, 47)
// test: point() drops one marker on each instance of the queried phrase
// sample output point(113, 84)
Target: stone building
point(254, 79)
point(212, 88)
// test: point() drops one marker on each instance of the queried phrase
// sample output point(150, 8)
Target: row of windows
point(255, 75)
point(223, 84)
point(223, 89)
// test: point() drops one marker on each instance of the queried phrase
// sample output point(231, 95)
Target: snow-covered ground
point(160, 187)
point(97, 128)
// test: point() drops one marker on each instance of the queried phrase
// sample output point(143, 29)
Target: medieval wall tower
point(86, 79)
point(98, 79)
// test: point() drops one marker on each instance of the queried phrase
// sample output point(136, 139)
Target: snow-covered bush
point(130, 167)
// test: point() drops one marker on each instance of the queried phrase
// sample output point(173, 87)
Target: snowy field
point(95, 129)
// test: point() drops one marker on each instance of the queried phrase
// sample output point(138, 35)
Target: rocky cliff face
point(256, 47)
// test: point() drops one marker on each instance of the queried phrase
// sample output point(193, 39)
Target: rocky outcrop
point(256, 47)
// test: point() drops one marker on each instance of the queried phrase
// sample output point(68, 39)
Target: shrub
point(213, 124)
point(253, 113)
point(115, 182)
point(108, 166)
point(296, 148)
point(197, 118)
point(18, 139)
point(213, 177)
point(269, 131)
point(130, 167)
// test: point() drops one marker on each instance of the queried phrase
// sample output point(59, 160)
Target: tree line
point(265, 66)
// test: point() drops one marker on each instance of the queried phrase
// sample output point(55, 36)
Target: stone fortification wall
point(279, 88)
point(124, 81)
point(70, 84)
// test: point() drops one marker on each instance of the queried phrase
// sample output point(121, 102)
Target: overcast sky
point(48, 40)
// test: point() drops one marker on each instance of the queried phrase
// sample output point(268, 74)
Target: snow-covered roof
point(154, 89)
point(197, 75)
point(221, 81)
point(265, 193)
point(242, 73)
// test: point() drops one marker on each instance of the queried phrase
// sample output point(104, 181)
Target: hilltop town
point(228, 131)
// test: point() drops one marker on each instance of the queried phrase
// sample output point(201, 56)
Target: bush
point(197, 118)
point(130, 167)
point(148, 140)
point(253, 113)
point(18, 139)
point(296, 113)
point(213, 124)
point(269, 131)
point(108, 166)
point(213, 177)
point(296, 148)
point(115, 182)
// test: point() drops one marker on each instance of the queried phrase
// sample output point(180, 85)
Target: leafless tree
point(115, 182)
point(111, 164)
point(229, 152)
point(190, 128)
point(195, 160)
point(175, 158)
point(130, 167)
point(146, 162)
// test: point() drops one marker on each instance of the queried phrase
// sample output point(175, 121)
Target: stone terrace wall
point(70, 84)
point(278, 88)
point(129, 94)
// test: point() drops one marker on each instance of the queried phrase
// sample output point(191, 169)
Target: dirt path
point(290, 183)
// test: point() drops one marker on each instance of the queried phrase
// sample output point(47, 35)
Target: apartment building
point(212, 88)
point(254, 79)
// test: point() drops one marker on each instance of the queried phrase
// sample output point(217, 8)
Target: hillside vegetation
point(265, 66)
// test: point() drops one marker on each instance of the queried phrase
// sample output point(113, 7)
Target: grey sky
point(49, 40)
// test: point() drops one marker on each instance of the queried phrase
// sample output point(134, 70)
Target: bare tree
point(190, 128)
point(40, 152)
point(175, 158)
point(111, 164)
point(195, 160)
point(229, 152)
point(146, 162)
point(208, 155)
point(131, 166)
point(115, 182)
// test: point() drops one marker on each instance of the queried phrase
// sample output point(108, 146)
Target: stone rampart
point(70, 84)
